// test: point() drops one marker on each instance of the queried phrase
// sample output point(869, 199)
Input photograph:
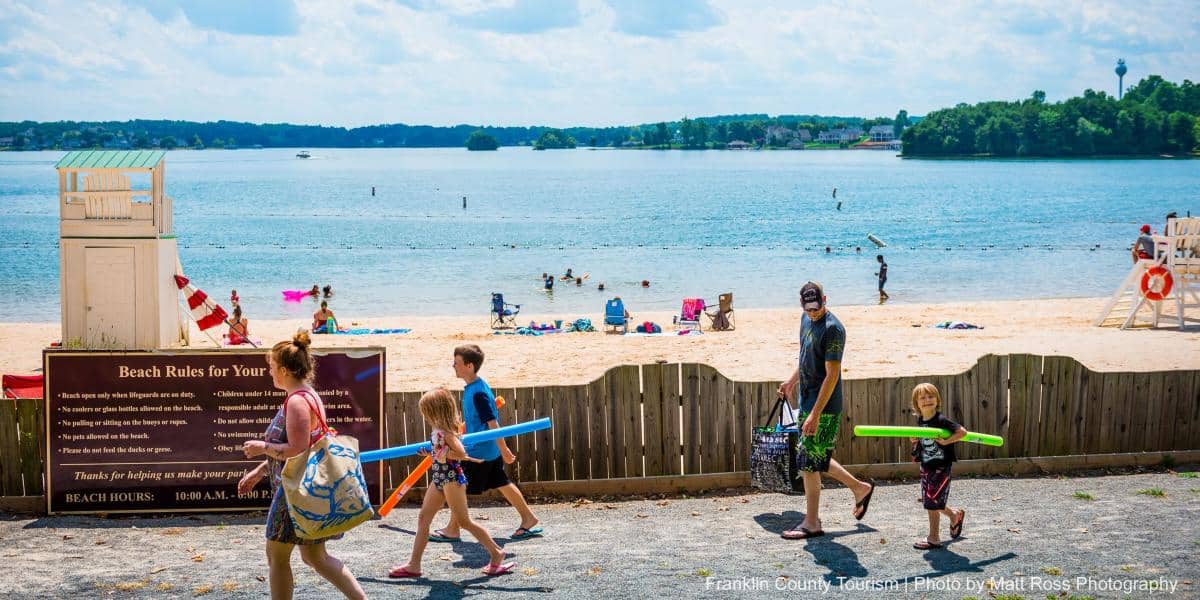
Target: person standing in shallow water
point(295, 427)
point(882, 274)
point(818, 379)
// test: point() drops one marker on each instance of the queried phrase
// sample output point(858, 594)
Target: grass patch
point(1188, 475)
point(1055, 571)
point(1084, 496)
point(1156, 492)
point(702, 572)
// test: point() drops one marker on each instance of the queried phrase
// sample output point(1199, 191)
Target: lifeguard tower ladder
point(1170, 280)
point(117, 252)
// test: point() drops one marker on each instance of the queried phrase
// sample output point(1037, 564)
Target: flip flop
point(956, 529)
point(500, 569)
point(804, 534)
point(526, 532)
point(402, 573)
point(926, 545)
point(864, 504)
point(439, 535)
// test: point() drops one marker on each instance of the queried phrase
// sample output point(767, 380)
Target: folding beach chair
point(502, 315)
point(722, 319)
point(689, 314)
point(614, 315)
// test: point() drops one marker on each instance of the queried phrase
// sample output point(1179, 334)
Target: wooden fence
point(688, 419)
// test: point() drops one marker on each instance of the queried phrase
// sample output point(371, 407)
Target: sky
point(567, 62)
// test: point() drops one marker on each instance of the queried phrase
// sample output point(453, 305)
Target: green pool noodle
point(923, 432)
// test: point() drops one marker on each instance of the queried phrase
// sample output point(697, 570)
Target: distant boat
point(303, 154)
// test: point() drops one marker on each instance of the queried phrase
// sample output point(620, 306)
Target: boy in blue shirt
point(480, 414)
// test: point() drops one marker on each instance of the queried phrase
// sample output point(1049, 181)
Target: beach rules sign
point(157, 431)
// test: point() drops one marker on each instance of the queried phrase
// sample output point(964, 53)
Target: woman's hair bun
point(302, 339)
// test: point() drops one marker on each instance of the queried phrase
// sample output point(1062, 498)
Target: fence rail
point(672, 419)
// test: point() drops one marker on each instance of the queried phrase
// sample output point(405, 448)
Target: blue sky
point(566, 62)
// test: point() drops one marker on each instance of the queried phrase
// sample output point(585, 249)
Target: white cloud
point(567, 62)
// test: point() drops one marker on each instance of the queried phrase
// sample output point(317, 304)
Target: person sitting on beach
point(239, 328)
point(321, 319)
point(315, 291)
point(1143, 248)
point(327, 291)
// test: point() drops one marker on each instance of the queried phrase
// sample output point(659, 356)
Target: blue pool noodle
point(469, 439)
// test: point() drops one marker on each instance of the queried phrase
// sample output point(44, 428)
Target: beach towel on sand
point(369, 331)
point(955, 325)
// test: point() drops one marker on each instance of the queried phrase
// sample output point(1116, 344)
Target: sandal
point(402, 572)
point(439, 535)
point(863, 504)
point(802, 533)
point(926, 545)
point(526, 532)
point(501, 569)
point(956, 528)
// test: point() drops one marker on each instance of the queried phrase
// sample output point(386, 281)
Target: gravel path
point(1031, 537)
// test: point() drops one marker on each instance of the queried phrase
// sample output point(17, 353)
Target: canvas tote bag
point(773, 454)
point(324, 486)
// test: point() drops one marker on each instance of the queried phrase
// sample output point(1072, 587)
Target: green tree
point(218, 143)
point(700, 139)
point(661, 135)
point(554, 139)
point(197, 143)
point(1181, 134)
point(168, 142)
point(900, 123)
point(481, 141)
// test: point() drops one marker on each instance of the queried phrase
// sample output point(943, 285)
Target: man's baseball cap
point(1145, 229)
point(812, 296)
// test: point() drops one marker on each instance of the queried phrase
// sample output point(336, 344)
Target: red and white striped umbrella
point(208, 314)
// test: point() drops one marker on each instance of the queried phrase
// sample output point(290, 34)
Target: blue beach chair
point(502, 315)
point(615, 315)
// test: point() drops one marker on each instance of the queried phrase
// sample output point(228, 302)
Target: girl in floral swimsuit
point(449, 486)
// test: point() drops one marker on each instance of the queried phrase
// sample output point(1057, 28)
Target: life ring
point(1156, 283)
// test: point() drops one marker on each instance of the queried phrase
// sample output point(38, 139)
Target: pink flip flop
point(402, 573)
point(500, 569)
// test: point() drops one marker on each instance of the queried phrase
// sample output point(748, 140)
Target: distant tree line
point(700, 132)
point(1153, 117)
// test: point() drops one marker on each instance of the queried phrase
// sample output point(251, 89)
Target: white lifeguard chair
point(1170, 280)
point(117, 252)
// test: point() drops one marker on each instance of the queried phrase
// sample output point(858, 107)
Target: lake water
point(692, 223)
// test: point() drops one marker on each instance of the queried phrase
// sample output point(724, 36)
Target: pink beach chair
point(689, 314)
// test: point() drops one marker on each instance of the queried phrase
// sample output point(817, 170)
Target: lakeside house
point(840, 136)
point(795, 144)
point(804, 135)
point(882, 133)
point(737, 145)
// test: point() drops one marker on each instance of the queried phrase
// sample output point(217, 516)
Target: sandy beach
point(888, 340)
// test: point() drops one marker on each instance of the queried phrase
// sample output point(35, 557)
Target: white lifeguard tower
point(1166, 285)
point(117, 253)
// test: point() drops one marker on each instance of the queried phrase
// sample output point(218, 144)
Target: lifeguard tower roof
point(111, 159)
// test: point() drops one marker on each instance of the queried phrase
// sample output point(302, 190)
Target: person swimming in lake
point(548, 282)
point(578, 282)
point(327, 291)
point(569, 275)
point(315, 291)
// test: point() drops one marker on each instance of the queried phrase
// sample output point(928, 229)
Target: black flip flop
point(805, 533)
point(956, 529)
point(864, 504)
